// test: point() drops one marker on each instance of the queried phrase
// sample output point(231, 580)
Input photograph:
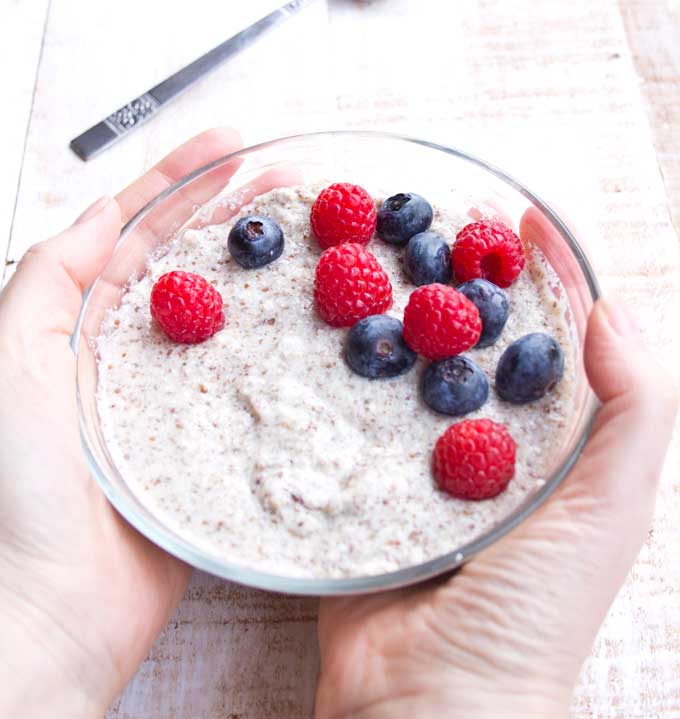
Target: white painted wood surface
point(549, 91)
point(653, 30)
point(22, 28)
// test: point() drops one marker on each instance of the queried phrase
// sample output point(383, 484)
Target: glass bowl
point(213, 193)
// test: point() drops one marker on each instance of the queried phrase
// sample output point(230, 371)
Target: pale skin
point(83, 596)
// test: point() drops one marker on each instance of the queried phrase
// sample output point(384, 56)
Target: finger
point(161, 222)
point(200, 150)
point(131, 258)
point(494, 207)
point(581, 545)
point(634, 424)
point(45, 292)
point(536, 229)
point(230, 204)
point(615, 479)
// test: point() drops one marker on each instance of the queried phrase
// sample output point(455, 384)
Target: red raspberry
point(188, 309)
point(487, 249)
point(343, 213)
point(349, 285)
point(440, 322)
point(474, 459)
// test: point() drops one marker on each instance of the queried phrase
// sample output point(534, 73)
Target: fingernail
point(93, 209)
point(620, 319)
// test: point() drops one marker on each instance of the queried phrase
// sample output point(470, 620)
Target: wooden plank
point(653, 28)
point(22, 27)
point(87, 74)
point(229, 652)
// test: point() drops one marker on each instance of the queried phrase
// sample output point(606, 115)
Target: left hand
point(83, 595)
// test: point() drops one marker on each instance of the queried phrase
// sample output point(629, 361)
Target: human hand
point(83, 595)
point(507, 635)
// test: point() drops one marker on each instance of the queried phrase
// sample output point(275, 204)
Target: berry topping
point(474, 459)
point(428, 259)
point(492, 303)
point(454, 386)
point(188, 309)
point(255, 241)
point(529, 368)
point(343, 213)
point(440, 322)
point(375, 347)
point(402, 216)
point(489, 250)
point(349, 285)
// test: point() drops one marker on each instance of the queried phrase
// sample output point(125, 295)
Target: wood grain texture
point(653, 28)
point(22, 28)
point(94, 62)
point(550, 91)
point(231, 653)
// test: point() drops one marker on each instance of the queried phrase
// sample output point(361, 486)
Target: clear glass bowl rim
point(165, 538)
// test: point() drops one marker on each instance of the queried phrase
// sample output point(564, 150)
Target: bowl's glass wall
point(378, 162)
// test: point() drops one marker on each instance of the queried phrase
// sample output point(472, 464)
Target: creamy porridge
point(261, 446)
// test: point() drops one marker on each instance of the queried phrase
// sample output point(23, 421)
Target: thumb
point(45, 292)
point(583, 542)
point(560, 570)
point(622, 460)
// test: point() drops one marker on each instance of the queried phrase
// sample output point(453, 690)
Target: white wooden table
point(581, 100)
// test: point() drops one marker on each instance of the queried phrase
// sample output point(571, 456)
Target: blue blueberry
point(375, 347)
point(529, 368)
point(255, 241)
point(428, 259)
point(454, 386)
point(492, 303)
point(402, 216)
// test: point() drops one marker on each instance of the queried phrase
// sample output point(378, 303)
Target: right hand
point(507, 635)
